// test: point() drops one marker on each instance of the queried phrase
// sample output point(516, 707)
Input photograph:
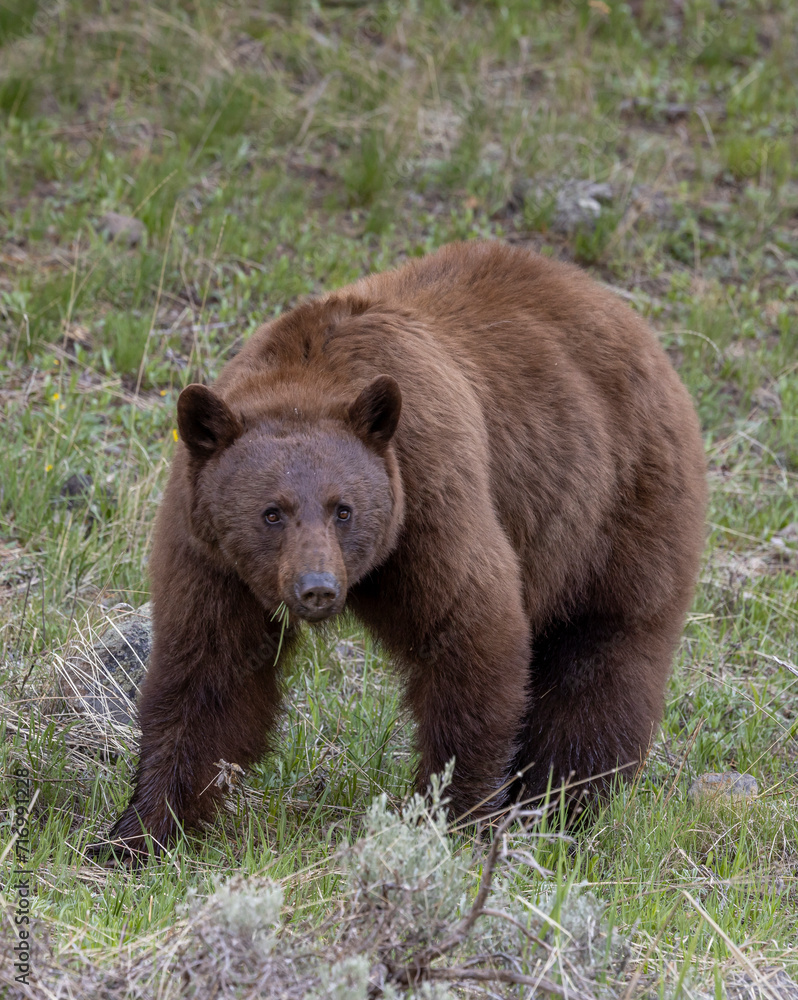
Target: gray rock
point(578, 205)
point(789, 533)
point(727, 786)
point(114, 226)
point(104, 679)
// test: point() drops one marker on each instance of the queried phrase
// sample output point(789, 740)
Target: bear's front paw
point(134, 838)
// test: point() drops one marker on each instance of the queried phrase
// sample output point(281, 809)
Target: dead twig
point(541, 983)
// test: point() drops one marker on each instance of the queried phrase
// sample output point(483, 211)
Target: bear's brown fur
point(485, 456)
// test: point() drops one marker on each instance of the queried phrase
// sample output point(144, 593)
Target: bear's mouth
point(315, 614)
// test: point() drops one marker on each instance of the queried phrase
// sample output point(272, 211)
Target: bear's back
point(526, 386)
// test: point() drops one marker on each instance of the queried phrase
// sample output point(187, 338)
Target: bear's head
point(301, 509)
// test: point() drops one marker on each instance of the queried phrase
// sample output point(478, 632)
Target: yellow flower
point(174, 434)
point(163, 392)
point(48, 468)
point(55, 395)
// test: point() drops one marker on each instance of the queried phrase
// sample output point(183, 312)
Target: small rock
point(578, 205)
point(789, 533)
point(780, 550)
point(728, 785)
point(104, 680)
point(114, 226)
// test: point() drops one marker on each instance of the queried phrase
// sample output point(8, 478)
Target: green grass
point(279, 150)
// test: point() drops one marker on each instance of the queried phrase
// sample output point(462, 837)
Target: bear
point(488, 459)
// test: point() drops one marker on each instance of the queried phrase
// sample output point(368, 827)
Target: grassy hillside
point(258, 153)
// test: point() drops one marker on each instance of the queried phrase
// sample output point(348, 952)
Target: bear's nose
point(317, 590)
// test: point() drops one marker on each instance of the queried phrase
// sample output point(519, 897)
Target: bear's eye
point(344, 513)
point(271, 516)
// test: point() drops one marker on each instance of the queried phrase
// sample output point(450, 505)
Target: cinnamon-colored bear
point(486, 457)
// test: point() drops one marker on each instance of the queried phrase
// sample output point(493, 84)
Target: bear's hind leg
point(597, 696)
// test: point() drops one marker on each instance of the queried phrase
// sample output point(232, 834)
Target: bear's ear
point(206, 423)
point(375, 413)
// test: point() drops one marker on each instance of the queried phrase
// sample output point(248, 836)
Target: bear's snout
point(317, 594)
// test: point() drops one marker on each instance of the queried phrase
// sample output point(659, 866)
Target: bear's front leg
point(211, 693)
point(467, 684)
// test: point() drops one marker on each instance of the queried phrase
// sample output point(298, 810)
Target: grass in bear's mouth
point(270, 152)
